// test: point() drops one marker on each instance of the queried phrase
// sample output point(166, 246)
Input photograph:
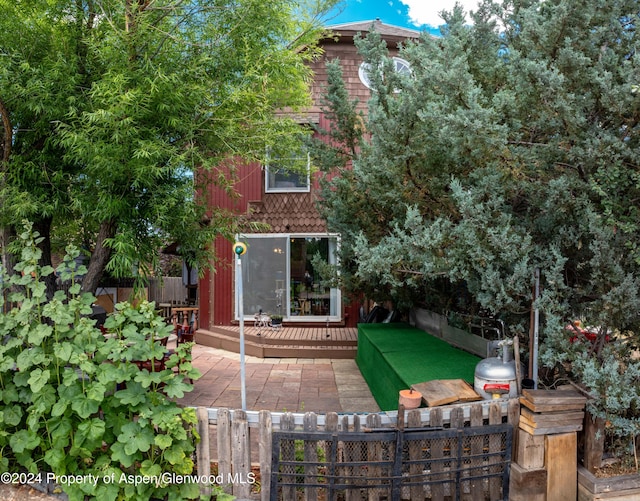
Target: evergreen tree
point(512, 146)
point(525, 144)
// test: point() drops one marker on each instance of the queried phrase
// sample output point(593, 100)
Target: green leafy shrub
point(74, 402)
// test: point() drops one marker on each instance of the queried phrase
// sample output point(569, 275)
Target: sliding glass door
point(283, 274)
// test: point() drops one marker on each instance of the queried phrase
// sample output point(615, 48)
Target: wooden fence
point(161, 290)
point(237, 448)
point(167, 290)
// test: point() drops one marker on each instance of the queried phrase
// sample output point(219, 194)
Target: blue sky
point(413, 14)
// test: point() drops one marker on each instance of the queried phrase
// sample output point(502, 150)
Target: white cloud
point(426, 11)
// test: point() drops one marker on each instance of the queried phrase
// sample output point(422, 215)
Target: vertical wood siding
point(217, 289)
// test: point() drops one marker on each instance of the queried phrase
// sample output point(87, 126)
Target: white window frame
point(287, 189)
point(248, 316)
point(400, 65)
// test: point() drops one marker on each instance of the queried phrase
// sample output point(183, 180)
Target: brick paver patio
point(279, 384)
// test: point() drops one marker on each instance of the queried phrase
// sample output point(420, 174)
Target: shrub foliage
point(75, 402)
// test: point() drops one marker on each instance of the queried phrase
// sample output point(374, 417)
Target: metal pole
point(239, 249)
point(536, 323)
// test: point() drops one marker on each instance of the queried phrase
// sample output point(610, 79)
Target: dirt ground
point(23, 493)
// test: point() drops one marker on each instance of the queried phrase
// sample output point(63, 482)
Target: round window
point(400, 65)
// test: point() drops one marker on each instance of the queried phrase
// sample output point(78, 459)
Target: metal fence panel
point(427, 464)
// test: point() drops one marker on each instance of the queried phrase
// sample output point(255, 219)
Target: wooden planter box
point(620, 488)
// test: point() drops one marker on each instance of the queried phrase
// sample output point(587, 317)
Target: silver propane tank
point(496, 376)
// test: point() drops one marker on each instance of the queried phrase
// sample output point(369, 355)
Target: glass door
point(264, 275)
point(311, 294)
point(282, 275)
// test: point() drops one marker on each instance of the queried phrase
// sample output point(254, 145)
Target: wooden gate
point(417, 464)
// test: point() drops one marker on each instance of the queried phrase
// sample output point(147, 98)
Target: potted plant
point(276, 319)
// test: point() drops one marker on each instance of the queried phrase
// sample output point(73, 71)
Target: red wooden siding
point(288, 212)
point(217, 300)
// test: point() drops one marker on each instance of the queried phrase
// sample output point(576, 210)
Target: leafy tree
point(512, 146)
point(114, 104)
point(33, 76)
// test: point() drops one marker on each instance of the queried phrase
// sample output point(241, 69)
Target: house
point(279, 270)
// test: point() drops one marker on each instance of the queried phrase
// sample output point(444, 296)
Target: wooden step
point(263, 347)
point(317, 338)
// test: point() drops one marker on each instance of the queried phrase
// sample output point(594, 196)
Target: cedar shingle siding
point(342, 47)
point(288, 213)
point(296, 212)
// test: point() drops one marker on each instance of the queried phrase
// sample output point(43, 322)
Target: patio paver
point(279, 384)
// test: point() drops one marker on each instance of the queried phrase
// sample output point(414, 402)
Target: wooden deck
point(289, 341)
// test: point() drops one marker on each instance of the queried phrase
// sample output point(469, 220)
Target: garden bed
point(618, 487)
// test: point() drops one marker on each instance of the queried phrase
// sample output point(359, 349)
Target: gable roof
point(349, 30)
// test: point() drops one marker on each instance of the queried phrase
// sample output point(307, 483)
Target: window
point(400, 65)
point(288, 174)
point(281, 276)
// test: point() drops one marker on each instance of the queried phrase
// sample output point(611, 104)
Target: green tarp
point(392, 357)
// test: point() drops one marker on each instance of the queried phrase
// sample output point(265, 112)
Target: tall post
point(239, 249)
point(536, 324)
